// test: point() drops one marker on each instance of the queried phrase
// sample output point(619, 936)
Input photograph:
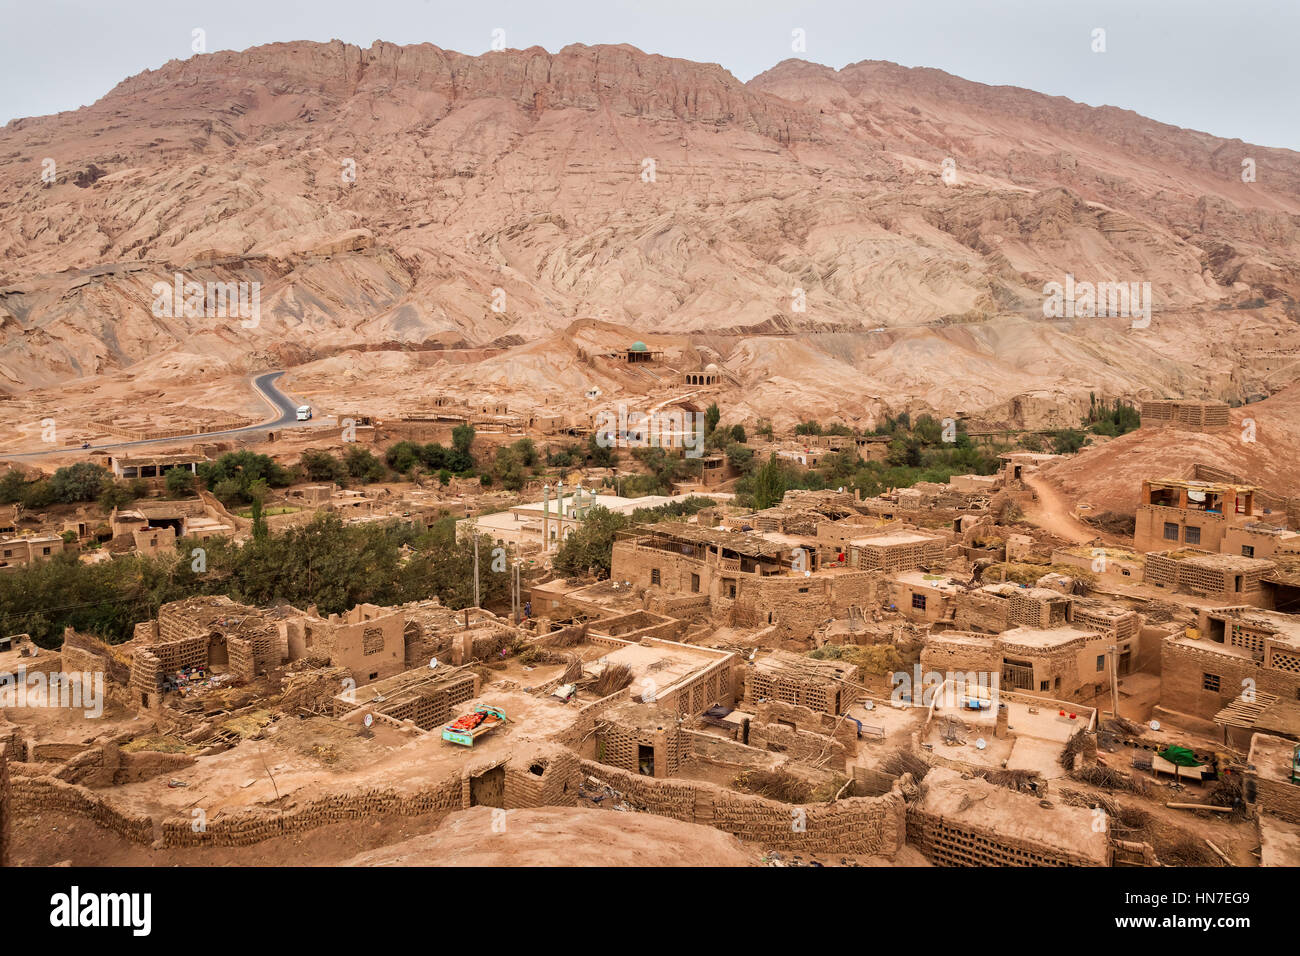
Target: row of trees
point(326, 563)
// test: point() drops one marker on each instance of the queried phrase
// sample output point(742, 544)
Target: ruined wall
point(867, 826)
point(796, 605)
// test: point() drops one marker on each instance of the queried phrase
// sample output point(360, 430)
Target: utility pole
point(476, 597)
point(1113, 651)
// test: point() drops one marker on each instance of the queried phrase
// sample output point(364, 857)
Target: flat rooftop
point(893, 538)
point(978, 804)
point(1042, 637)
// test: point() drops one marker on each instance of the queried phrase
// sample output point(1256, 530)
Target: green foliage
point(1119, 418)
point(1067, 441)
point(768, 485)
point(234, 477)
point(738, 434)
point(740, 457)
point(179, 482)
point(712, 415)
point(321, 466)
point(84, 481)
point(362, 465)
point(591, 546)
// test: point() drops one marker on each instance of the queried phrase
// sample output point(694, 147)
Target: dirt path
point(1051, 513)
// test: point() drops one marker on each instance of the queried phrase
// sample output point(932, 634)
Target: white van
point(304, 412)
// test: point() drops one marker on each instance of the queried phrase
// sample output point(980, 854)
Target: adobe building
point(1230, 650)
point(825, 687)
point(1217, 577)
point(971, 822)
point(153, 466)
point(18, 551)
point(1174, 511)
point(903, 550)
point(752, 579)
point(707, 376)
point(641, 738)
point(369, 641)
point(1185, 414)
point(1275, 772)
point(1059, 661)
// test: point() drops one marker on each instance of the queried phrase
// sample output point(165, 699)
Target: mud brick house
point(367, 640)
point(1276, 776)
point(826, 687)
point(1218, 577)
point(1059, 661)
point(1231, 650)
point(959, 822)
point(903, 550)
point(210, 632)
point(748, 577)
point(1174, 511)
point(1185, 414)
point(641, 738)
point(18, 551)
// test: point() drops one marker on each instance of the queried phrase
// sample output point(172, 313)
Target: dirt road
point(1051, 513)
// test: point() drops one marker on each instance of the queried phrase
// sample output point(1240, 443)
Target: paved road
point(286, 417)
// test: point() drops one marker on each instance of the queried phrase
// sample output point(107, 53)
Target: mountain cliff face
point(896, 228)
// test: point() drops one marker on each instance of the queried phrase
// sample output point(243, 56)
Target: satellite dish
point(980, 744)
point(869, 705)
point(433, 662)
point(1155, 725)
point(368, 719)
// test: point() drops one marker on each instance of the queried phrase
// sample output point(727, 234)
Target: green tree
point(769, 485)
point(712, 415)
point(84, 481)
point(179, 482)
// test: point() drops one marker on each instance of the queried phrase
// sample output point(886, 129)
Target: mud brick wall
point(243, 658)
point(944, 656)
point(6, 814)
point(948, 843)
point(857, 825)
point(798, 745)
point(979, 611)
point(796, 605)
point(555, 786)
point(584, 724)
point(712, 685)
point(1278, 798)
point(812, 721)
point(47, 795)
point(1182, 679)
point(146, 675)
point(82, 652)
point(255, 825)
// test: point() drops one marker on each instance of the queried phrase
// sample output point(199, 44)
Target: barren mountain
point(400, 205)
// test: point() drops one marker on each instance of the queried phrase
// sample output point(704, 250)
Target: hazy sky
point(1228, 67)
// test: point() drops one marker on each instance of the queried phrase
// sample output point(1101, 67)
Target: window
point(918, 601)
point(1171, 531)
point(731, 589)
point(1044, 685)
point(1210, 682)
point(372, 641)
point(1193, 535)
point(1101, 662)
point(695, 583)
point(654, 575)
point(1247, 551)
